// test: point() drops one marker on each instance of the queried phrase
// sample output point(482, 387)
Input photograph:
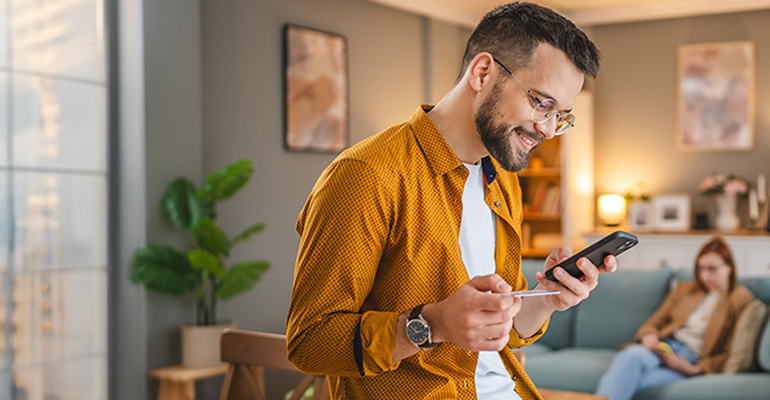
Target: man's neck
point(453, 116)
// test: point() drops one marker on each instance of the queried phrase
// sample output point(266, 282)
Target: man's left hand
point(573, 290)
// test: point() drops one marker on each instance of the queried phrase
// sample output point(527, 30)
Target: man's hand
point(472, 318)
point(573, 290)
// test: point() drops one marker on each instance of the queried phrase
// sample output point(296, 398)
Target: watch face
point(417, 332)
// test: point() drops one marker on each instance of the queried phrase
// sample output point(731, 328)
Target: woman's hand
point(651, 341)
point(680, 364)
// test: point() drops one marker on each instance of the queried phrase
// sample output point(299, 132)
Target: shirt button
point(497, 204)
point(515, 378)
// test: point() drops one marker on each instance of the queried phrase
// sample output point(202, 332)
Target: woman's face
point(714, 272)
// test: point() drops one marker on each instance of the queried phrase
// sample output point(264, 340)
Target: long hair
point(719, 247)
point(513, 31)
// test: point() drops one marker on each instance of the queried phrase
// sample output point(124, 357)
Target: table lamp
point(612, 209)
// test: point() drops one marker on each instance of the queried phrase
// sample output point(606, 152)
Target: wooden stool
point(178, 382)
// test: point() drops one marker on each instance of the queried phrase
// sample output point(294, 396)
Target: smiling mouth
point(527, 140)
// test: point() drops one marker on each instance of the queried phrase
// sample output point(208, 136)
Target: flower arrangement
point(729, 184)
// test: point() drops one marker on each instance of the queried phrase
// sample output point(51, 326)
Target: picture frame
point(640, 216)
point(716, 96)
point(671, 212)
point(316, 106)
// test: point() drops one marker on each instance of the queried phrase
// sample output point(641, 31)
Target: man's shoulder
point(393, 145)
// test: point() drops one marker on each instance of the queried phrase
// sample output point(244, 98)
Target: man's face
point(504, 118)
point(499, 138)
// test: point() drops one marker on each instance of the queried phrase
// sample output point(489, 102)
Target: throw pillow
point(763, 352)
point(748, 327)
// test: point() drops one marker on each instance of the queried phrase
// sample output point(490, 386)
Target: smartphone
point(529, 293)
point(613, 244)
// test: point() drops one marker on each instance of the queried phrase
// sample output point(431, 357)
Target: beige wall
point(635, 105)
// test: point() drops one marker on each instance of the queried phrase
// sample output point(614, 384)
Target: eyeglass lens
point(546, 109)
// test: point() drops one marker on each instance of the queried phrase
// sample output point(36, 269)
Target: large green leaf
point(256, 228)
point(180, 203)
point(202, 259)
point(208, 236)
point(226, 181)
point(242, 276)
point(162, 269)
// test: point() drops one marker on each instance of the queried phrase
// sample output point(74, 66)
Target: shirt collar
point(438, 154)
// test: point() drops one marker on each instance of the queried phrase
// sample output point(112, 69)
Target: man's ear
point(480, 71)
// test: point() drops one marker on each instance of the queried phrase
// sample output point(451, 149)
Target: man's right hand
point(472, 317)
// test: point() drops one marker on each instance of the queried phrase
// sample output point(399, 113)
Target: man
point(409, 237)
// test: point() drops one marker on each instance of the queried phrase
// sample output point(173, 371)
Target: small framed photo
point(315, 90)
point(640, 216)
point(671, 212)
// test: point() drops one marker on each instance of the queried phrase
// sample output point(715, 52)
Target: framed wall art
point(315, 90)
point(671, 212)
point(716, 97)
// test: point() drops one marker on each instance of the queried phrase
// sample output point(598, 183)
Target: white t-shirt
point(691, 333)
point(477, 243)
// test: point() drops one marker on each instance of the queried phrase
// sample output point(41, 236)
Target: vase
point(727, 218)
point(200, 344)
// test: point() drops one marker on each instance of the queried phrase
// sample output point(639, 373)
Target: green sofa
point(581, 342)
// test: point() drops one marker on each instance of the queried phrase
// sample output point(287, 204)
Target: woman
point(688, 335)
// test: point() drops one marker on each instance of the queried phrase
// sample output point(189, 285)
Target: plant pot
point(200, 344)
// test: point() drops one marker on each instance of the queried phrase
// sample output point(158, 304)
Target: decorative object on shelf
point(725, 190)
point(671, 212)
point(611, 209)
point(315, 90)
point(716, 99)
point(639, 216)
point(202, 269)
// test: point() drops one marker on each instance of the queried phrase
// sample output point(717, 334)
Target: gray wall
point(635, 106)
point(159, 137)
point(242, 92)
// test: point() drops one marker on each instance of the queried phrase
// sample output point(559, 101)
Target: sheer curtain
point(53, 200)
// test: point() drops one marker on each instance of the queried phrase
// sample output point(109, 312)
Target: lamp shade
point(612, 209)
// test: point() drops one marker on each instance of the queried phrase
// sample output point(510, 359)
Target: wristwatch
point(418, 330)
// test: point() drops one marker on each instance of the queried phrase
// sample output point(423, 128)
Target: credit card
point(528, 293)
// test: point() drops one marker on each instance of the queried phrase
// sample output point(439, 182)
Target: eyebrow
point(545, 95)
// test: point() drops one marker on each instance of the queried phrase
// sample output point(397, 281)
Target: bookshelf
point(557, 187)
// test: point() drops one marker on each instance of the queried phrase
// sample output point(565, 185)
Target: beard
point(497, 138)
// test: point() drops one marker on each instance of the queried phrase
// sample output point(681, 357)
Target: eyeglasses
point(546, 109)
point(711, 269)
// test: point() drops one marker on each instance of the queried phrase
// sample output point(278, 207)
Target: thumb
point(493, 282)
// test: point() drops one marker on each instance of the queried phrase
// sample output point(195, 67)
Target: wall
point(635, 106)
point(394, 59)
point(158, 135)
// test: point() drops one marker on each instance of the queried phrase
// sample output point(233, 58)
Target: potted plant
point(203, 268)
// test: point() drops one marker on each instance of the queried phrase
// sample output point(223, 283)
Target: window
point(53, 200)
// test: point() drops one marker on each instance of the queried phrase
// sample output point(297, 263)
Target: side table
point(178, 382)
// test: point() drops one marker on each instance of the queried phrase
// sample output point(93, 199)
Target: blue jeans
point(636, 367)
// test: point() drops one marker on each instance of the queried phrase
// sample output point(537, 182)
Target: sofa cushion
point(571, 369)
point(618, 306)
point(746, 386)
point(763, 353)
point(742, 354)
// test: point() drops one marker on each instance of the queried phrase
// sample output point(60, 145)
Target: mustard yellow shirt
point(379, 236)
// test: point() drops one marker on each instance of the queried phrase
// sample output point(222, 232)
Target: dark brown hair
point(719, 247)
point(513, 31)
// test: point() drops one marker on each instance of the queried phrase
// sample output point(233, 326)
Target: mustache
point(532, 135)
